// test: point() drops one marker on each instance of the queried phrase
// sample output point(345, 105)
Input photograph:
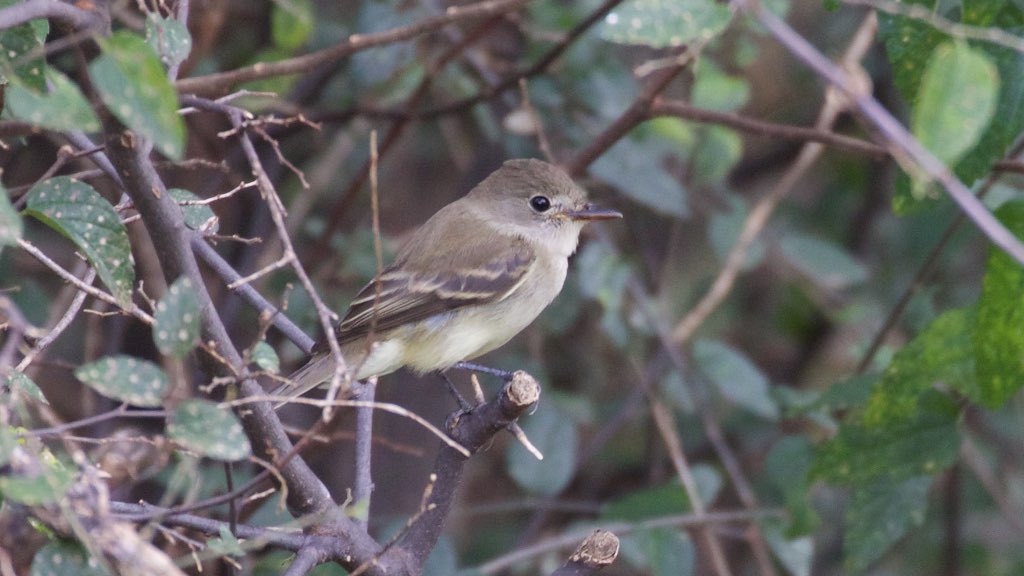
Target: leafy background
point(903, 458)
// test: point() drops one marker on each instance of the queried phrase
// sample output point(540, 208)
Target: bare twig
point(67, 13)
point(666, 429)
point(896, 135)
point(500, 564)
point(383, 406)
point(762, 211)
point(597, 551)
point(990, 34)
point(134, 310)
point(204, 85)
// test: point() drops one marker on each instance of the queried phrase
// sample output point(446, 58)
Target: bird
point(474, 275)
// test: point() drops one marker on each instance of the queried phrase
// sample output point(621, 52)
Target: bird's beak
point(591, 212)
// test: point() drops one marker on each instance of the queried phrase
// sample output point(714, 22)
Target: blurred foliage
point(855, 470)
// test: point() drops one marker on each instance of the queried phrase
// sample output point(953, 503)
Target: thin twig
point(667, 430)
point(762, 211)
point(896, 135)
point(506, 561)
point(134, 310)
point(383, 406)
point(222, 80)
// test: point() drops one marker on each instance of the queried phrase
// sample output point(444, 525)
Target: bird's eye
point(540, 203)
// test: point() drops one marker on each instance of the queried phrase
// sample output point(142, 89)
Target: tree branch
point(596, 552)
point(472, 430)
point(888, 126)
point(77, 18)
point(221, 81)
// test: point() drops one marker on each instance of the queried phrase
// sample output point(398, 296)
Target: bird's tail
point(318, 370)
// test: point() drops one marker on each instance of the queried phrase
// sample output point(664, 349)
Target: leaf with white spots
point(10, 221)
point(663, 23)
point(265, 357)
point(197, 216)
point(176, 326)
point(61, 557)
point(17, 381)
point(61, 107)
point(132, 83)
point(47, 485)
point(128, 379)
point(210, 430)
point(169, 38)
point(15, 43)
point(77, 211)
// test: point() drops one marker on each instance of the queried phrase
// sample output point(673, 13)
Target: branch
point(538, 67)
point(685, 111)
point(306, 493)
point(762, 211)
point(31, 9)
point(596, 551)
point(503, 563)
point(635, 114)
point(888, 126)
point(221, 81)
point(472, 430)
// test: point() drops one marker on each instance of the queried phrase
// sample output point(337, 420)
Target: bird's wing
point(470, 274)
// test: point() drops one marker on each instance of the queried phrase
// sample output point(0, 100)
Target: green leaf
point(998, 343)
point(795, 554)
point(10, 222)
point(941, 353)
point(65, 558)
point(169, 38)
point(715, 90)
point(603, 276)
point(265, 357)
point(821, 261)
point(47, 487)
point(9, 442)
point(226, 545)
point(663, 23)
point(77, 211)
point(137, 382)
point(555, 436)
point(724, 230)
point(634, 167)
point(736, 377)
point(718, 151)
point(197, 216)
point(291, 23)
point(859, 454)
point(843, 395)
point(22, 383)
point(669, 498)
point(62, 107)
point(18, 41)
point(958, 95)
point(660, 552)
point(209, 430)
point(788, 467)
point(133, 84)
point(910, 44)
point(176, 326)
point(880, 513)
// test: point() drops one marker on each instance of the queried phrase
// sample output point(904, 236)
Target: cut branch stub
point(523, 390)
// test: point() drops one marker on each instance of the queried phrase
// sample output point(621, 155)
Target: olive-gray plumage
point(469, 279)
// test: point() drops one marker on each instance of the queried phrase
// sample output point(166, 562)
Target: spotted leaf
point(128, 379)
point(77, 211)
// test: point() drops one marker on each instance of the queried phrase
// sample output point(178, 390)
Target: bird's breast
point(446, 339)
